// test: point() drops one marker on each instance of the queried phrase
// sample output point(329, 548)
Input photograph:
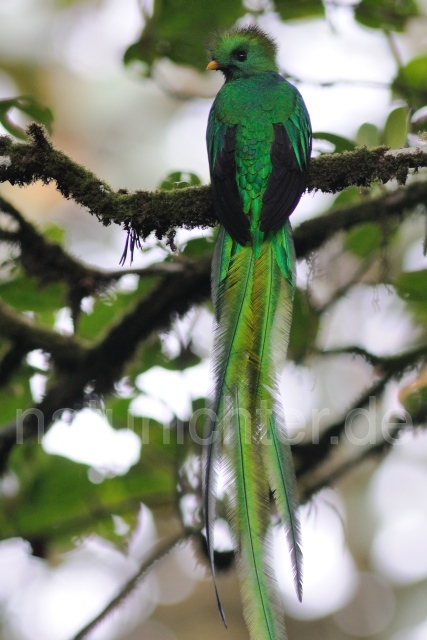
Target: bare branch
point(67, 350)
point(330, 477)
point(161, 550)
point(311, 234)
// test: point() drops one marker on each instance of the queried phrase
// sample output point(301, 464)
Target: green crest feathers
point(260, 49)
point(240, 35)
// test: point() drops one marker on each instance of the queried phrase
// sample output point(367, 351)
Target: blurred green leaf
point(396, 128)
point(118, 411)
point(108, 308)
point(25, 294)
point(198, 404)
point(305, 324)
point(416, 403)
point(29, 106)
point(340, 143)
point(363, 240)
point(180, 33)
point(54, 233)
point(57, 499)
point(350, 195)
point(368, 136)
point(149, 355)
point(16, 396)
point(411, 82)
point(198, 248)
point(180, 180)
point(92, 324)
point(413, 396)
point(391, 15)
point(412, 286)
point(296, 9)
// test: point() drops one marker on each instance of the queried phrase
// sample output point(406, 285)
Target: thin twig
point(161, 550)
point(348, 465)
point(395, 365)
point(327, 84)
point(355, 279)
point(392, 45)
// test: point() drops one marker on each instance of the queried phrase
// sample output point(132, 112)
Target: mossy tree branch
point(161, 211)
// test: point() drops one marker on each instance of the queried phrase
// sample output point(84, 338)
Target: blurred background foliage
point(120, 84)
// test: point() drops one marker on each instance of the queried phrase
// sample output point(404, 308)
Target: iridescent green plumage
point(259, 142)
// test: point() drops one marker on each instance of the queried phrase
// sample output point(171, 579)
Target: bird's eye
point(240, 55)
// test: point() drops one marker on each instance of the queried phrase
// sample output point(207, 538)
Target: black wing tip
point(265, 225)
point(243, 237)
point(286, 184)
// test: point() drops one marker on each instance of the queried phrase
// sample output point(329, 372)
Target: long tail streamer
point(252, 293)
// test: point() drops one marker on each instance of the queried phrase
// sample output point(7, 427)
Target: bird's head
point(241, 53)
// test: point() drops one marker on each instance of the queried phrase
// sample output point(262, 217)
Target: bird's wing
point(221, 140)
point(290, 153)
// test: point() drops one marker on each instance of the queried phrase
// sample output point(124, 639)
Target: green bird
point(259, 145)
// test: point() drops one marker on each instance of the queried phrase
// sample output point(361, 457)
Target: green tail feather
point(252, 293)
point(249, 512)
point(231, 281)
point(279, 464)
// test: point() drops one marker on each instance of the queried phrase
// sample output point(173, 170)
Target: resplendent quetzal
point(259, 144)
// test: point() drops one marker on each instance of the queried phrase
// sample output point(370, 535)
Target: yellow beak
point(213, 66)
